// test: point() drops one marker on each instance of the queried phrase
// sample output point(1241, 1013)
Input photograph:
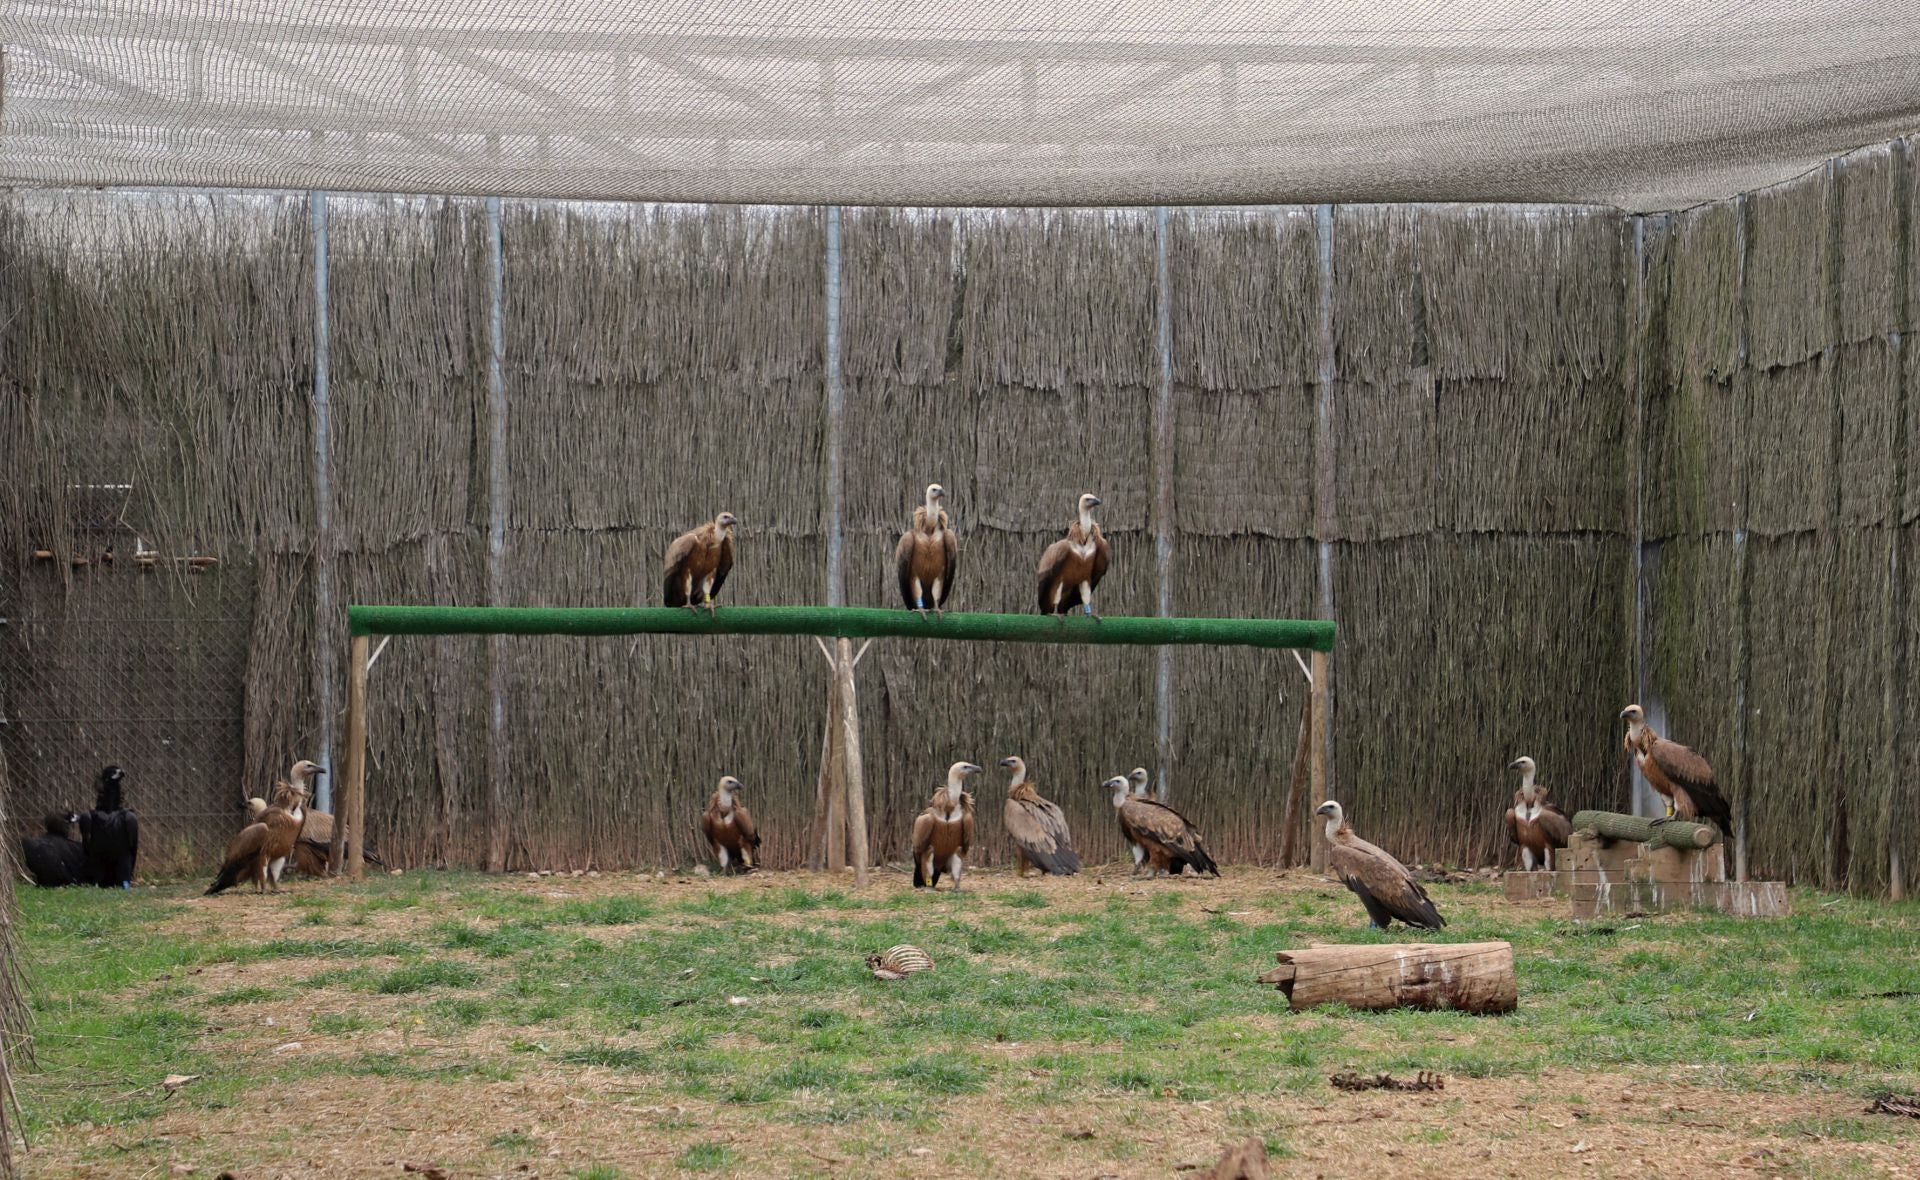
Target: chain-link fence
point(134, 660)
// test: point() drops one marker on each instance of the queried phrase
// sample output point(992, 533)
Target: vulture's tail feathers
point(228, 878)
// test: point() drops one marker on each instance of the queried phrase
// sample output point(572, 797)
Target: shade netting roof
point(1644, 104)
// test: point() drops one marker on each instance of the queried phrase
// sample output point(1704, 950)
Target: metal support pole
point(1325, 523)
point(325, 625)
point(498, 491)
point(1163, 450)
point(836, 424)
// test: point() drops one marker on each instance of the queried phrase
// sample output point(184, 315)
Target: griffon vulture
point(259, 853)
point(1676, 772)
point(1072, 566)
point(927, 556)
point(1382, 883)
point(315, 845)
point(697, 564)
point(943, 833)
point(55, 858)
point(1138, 778)
point(1037, 827)
point(729, 827)
point(1171, 844)
point(1536, 825)
point(110, 833)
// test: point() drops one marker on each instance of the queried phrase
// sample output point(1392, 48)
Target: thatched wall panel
point(1379, 329)
point(1702, 293)
point(1060, 299)
point(1458, 654)
point(1533, 455)
point(1910, 362)
point(1787, 273)
point(1037, 450)
point(1788, 697)
point(282, 716)
point(1243, 297)
point(1790, 447)
point(1869, 377)
point(1523, 295)
point(1236, 711)
point(899, 279)
point(1860, 770)
point(1243, 461)
point(1386, 469)
point(408, 315)
point(1696, 456)
point(902, 437)
point(1867, 189)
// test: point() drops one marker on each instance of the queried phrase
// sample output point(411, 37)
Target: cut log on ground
point(1469, 976)
point(1677, 833)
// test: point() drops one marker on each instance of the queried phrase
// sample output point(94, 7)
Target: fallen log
point(1675, 833)
point(1469, 976)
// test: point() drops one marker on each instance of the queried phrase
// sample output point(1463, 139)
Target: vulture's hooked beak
point(1094, 501)
point(1009, 763)
point(1514, 765)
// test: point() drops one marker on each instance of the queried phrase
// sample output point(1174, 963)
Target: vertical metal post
point(325, 620)
point(1324, 526)
point(1896, 670)
point(1163, 451)
point(836, 424)
point(1641, 797)
point(498, 491)
point(1743, 653)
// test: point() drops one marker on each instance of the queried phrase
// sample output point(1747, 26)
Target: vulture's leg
point(1086, 599)
point(953, 870)
point(1526, 859)
point(723, 859)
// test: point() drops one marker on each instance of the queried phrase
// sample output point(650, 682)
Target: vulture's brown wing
point(743, 821)
point(1387, 882)
point(1513, 826)
point(922, 833)
point(1040, 836)
point(317, 826)
point(673, 568)
point(1167, 829)
point(966, 822)
point(1680, 764)
point(250, 840)
point(710, 824)
point(951, 545)
point(903, 568)
point(725, 567)
point(1100, 555)
point(1555, 824)
point(1051, 561)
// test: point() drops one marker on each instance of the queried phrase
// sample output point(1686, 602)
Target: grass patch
point(706, 1157)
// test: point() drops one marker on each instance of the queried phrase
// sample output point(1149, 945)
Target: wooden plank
point(1303, 747)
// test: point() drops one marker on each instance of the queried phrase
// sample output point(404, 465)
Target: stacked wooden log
point(1625, 864)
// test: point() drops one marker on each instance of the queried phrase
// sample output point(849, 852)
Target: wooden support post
point(1302, 749)
point(348, 820)
point(823, 783)
point(837, 781)
point(1318, 759)
point(852, 776)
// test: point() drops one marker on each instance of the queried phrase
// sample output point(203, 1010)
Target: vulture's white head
point(935, 494)
point(959, 773)
point(1636, 719)
point(725, 521)
point(1525, 766)
point(1088, 502)
point(1138, 777)
point(303, 772)
point(1336, 817)
point(729, 787)
point(255, 806)
point(1118, 785)
point(1017, 766)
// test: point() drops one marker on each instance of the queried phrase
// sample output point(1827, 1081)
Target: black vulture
point(111, 834)
point(55, 857)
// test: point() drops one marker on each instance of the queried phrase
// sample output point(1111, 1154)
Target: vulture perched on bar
point(1676, 772)
point(1536, 825)
point(943, 833)
point(1037, 827)
point(729, 827)
point(55, 858)
point(259, 853)
point(698, 562)
point(110, 833)
point(1382, 883)
point(1072, 566)
point(927, 556)
point(1170, 843)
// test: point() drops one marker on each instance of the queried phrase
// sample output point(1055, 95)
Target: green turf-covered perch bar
point(837, 622)
point(1676, 833)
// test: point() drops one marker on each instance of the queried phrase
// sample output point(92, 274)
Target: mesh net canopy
point(1642, 104)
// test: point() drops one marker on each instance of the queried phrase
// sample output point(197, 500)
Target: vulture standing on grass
point(1138, 778)
point(698, 562)
point(314, 847)
point(729, 827)
point(1072, 566)
point(1536, 825)
point(55, 858)
point(259, 853)
point(927, 556)
point(1676, 772)
point(110, 833)
point(1382, 883)
point(1037, 827)
point(943, 833)
point(1169, 843)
